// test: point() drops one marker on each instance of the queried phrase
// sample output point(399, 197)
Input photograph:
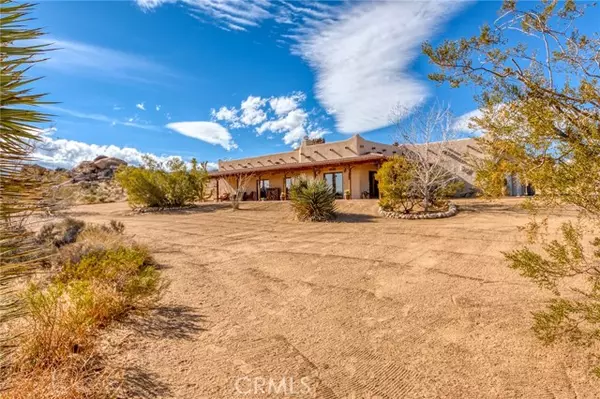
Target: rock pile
point(101, 168)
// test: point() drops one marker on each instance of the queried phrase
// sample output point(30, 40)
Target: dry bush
point(101, 277)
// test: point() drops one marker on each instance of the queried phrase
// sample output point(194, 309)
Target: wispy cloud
point(72, 57)
point(157, 107)
point(463, 123)
point(242, 15)
point(140, 106)
point(131, 122)
point(362, 59)
point(209, 132)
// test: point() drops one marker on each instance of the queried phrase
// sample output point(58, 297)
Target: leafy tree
point(312, 200)
point(158, 186)
point(396, 184)
point(19, 192)
point(538, 79)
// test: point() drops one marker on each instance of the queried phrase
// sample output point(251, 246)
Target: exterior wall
point(457, 157)
point(360, 179)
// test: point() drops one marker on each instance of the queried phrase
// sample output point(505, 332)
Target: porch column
point(350, 180)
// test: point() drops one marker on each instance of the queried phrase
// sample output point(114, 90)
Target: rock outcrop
point(101, 168)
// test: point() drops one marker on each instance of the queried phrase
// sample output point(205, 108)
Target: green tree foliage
point(539, 93)
point(396, 184)
point(312, 200)
point(19, 193)
point(159, 186)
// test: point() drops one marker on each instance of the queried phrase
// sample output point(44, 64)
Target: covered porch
point(354, 176)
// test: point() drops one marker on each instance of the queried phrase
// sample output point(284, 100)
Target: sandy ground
point(263, 306)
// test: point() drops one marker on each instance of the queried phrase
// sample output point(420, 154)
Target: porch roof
point(361, 159)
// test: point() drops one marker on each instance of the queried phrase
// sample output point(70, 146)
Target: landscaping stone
point(452, 210)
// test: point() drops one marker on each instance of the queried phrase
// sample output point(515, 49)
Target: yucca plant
point(312, 200)
point(19, 191)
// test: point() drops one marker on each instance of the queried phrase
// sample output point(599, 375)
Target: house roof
point(300, 165)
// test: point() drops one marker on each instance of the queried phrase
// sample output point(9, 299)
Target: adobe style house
point(349, 166)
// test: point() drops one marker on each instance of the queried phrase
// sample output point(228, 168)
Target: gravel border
point(452, 210)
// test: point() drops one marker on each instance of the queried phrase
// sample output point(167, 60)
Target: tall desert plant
point(19, 121)
point(312, 200)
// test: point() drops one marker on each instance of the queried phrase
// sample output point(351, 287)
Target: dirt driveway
point(262, 306)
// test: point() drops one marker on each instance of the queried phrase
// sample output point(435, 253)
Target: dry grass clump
point(100, 277)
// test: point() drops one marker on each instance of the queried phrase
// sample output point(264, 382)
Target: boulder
point(101, 168)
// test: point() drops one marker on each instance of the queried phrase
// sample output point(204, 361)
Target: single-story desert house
point(349, 166)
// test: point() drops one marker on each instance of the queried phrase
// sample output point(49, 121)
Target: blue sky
point(215, 79)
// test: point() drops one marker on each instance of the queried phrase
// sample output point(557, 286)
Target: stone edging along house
point(349, 166)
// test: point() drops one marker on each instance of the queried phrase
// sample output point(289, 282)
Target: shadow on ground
point(140, 383)
point(355, 218)
point(492, 207)
point(189, 210)
point(169, 322)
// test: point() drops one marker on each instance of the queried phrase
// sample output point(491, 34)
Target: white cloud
point(131, 122)
point(252, 114)
point(362, 59)
point(61, 153)
point(210, 132)
point(284, 104)
point(463, 122)
point(290, 118)
point(229, 115)
point(140, 106)
point(157, 107)
point(294, 125)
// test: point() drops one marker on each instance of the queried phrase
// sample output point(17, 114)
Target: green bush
point(396, 184)
point(159, 186)
point(312, 200)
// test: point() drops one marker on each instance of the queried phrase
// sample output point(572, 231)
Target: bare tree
point(424, 135)
point(238, 188)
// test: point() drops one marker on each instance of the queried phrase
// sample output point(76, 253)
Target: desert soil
point(361, 308)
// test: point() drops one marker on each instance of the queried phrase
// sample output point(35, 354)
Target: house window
point(336, 181)
point(263, 186)
point(288, 184)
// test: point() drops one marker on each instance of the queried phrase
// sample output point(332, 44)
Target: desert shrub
point(101, 277)
point(56, 327)
point(60, 233)
point(156, 185)
point(396, 184)
point(312, 200)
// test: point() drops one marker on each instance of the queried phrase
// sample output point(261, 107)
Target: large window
point(288, 185)
point(263, 186)
point(336, 181)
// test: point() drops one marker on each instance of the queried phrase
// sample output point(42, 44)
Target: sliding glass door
point(336, 181)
